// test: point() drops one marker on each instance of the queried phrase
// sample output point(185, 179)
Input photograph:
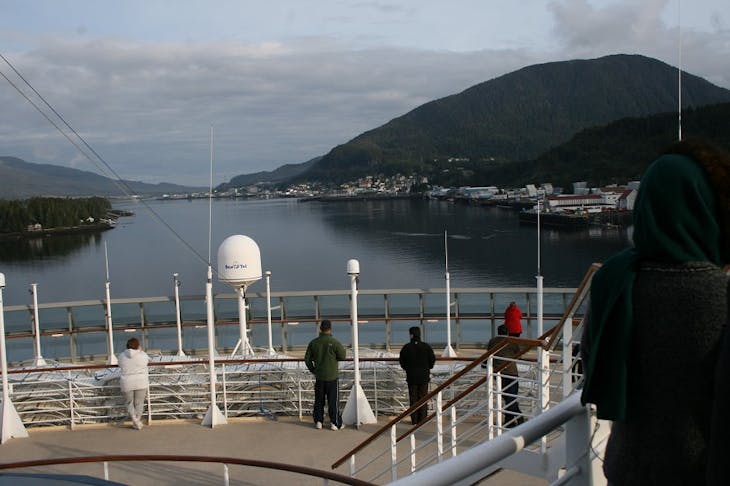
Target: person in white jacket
point(134, 379)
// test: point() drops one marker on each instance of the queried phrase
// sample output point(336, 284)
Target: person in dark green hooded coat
point(657, 314)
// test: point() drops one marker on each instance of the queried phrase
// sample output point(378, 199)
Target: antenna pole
point(448, 350)
point(213, 416)
point(679, 73)
point(210, 196)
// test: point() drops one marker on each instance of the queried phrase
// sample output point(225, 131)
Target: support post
point(10, 423)
point(357, 409)
point(38, 360)
point(213, 416)
point(271, 351)
point(178, 316)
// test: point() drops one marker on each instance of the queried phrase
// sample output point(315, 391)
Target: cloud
point(147, 106)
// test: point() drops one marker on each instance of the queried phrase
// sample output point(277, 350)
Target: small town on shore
point(610, 205)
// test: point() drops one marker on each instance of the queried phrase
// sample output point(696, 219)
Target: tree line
point(51, 212)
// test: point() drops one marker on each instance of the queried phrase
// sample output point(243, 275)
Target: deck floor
point(286, 440)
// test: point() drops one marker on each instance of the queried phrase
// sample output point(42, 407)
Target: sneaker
point(334, 427)
point(318, 425)
point(136, 424)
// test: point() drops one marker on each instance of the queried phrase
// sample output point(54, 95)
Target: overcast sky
point(284, 81)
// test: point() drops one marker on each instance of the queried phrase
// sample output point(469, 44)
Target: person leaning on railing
point(134, 380)
point(656, 317)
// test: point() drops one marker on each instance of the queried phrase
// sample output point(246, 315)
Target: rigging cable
point(121, 184)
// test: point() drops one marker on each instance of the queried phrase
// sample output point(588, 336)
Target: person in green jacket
point(321, 359)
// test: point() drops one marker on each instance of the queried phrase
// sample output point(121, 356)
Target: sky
point(149, 83)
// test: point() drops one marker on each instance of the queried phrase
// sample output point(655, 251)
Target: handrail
point(546, 341)
point(484, 455)
point(477, 361)
point(204, 361)
point(309, 471)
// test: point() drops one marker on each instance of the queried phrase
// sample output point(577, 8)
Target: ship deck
point(286, 439)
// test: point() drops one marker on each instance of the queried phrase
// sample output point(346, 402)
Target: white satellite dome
point(239, 261)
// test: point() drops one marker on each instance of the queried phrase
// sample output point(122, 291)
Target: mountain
point(282, 174)
point(517, 116)
point(21, 179)
point(615, 153)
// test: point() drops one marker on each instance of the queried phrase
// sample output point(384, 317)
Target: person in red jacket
point(513, 319)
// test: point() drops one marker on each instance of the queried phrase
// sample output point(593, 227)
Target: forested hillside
point(517, 116)
point(50, 212)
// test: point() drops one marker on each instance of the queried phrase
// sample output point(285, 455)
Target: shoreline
point(61, 230)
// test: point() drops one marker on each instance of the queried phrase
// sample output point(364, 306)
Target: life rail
point(304, 470)
point(545, 342)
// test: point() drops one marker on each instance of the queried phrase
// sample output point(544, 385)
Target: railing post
point(544, 390)
point(413, 452)
point(299, 394)
point(71, 402)
point(106, 471)
point(567, 357)
point(226, 476)
point(225, 390)
point(439, 428)
point(457, 322)
point(352, 466)
point(375, 387)
point(579, 451)
point(71, 334)
point(388, 324)
point(453, 430)
point(499, 402)
point(491, 311)
point(393, 454)
point(490, 399)
point(282, 313)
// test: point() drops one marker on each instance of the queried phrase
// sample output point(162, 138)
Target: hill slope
point(615, 153)
point(21, 179)
point(519, 115)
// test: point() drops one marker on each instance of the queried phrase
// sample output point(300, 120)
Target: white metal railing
point(477, 462)
point(78, 331)
point(472, 419)
point(268, 386)
point(546, 379)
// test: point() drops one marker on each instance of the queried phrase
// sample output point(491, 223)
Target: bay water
point(306, 246)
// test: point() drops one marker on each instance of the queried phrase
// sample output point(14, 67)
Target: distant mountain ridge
point(518, 116)
point(21, 179)
point(279, 175)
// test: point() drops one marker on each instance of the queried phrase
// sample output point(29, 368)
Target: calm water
point(306, 246)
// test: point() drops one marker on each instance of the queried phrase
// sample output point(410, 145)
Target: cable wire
point(121, 184)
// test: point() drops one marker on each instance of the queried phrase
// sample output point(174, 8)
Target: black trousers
point(510, 388)
point(415, 393)
point(328, 390)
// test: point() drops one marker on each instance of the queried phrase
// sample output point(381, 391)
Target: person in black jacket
point(417, 358)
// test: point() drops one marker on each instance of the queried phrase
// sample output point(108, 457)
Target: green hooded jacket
point(322, 356)
point(675, 221)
